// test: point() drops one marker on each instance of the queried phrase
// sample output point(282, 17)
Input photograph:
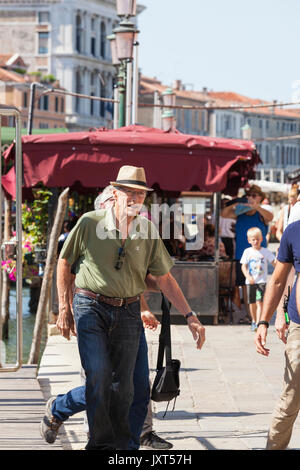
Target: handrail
point(18, 167)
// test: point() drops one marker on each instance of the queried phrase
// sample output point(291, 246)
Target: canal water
point(28, 320)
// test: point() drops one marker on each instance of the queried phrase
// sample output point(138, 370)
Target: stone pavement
point(228, 391)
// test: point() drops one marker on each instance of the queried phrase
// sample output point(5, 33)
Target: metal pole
point(1, 216)
point(156, 112)
point(19, 277)
point(128, 93)
point(116, 107)
point(31, 108)
point(18, 242)
point(135, 83)
point(122, 91)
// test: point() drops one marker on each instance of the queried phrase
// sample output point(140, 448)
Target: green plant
point(49, 78)
point(36, 73)
point(35, 216)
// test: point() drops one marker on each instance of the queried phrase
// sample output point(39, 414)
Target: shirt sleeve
point(285, 252)
point(160, 261)
point(244, 258)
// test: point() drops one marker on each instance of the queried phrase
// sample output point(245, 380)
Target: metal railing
point(17, 243)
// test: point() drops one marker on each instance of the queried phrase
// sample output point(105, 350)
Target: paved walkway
point(228, 391)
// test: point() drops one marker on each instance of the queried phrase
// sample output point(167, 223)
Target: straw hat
point(131, 177)
point(254, 188)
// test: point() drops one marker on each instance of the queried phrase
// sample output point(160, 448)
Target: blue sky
point(250, 47)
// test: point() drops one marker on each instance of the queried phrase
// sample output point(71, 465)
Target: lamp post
point(126, 8)
point(167, 117)
point(246, 132)
point(121, 42)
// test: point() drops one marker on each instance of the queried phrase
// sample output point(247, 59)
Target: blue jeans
point(74, 401)
point(108, 338)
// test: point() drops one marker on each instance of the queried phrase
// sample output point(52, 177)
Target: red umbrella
point(172, 161)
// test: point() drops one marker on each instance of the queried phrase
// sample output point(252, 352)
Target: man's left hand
point(197, 330)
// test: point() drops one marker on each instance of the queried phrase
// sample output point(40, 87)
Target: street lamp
point(121, 42)
point(169, 99)
point(247, 132)
point(113, 48)
point(125, 34)
point(126, 8)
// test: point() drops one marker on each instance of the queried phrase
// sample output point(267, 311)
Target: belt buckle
point(120, 301)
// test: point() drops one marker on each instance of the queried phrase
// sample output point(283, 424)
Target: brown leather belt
point(115, 301)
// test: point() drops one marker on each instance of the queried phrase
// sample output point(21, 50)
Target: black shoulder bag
point(166, 383)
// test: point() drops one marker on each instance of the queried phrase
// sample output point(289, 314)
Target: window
point(25, 99)
point(43, 17)
point(92, 93)
point(103, 39)
point(93, 46)
point(56, 104)
point(102, 106)
point(187, 120)
point(62, 105)
point(277, 155)
point(178, 118)
point(267, 160)
point(267, 125)
point(43, 42)
point(43, 103)
point(78, 89)
point(227, 122)
point(260, 124)
point(79, 34)
point(44, 125)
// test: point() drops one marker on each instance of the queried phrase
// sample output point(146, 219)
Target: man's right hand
point(261, 339)
point(65, 323)
point(280, 325)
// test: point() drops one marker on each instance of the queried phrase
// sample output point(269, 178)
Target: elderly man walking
point(114, 250)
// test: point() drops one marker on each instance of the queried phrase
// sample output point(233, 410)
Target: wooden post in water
point(47, 279)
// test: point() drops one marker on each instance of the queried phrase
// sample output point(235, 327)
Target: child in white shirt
point(254, 263)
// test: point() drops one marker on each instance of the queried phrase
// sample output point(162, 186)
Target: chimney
point(177, 85)
point(204, 91)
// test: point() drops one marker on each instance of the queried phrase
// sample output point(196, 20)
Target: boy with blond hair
point(254, 263)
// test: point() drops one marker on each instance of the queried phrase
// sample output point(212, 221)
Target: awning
point(172, 161)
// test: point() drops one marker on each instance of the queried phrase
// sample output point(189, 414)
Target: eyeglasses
point(120, 260)
point(132, 192)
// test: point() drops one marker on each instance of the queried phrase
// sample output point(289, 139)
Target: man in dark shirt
point(288, 406)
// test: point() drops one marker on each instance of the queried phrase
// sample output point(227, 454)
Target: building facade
point(15, 83)
point(272, 128)
point(66, 39)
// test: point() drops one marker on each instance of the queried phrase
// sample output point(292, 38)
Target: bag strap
point(165, 335)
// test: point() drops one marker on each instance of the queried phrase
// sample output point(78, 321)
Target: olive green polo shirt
point(93, 244)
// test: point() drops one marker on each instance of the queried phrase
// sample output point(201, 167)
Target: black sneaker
point(50, 425)
point(152, 441)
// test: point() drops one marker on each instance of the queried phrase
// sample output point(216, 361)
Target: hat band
point(140, 183)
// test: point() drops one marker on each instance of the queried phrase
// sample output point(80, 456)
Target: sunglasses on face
point(120, 260)
point(133, 192)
